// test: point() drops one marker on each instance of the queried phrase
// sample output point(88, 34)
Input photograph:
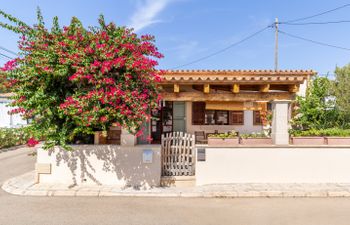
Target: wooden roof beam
point(235, 88)
point(264, 88)
point(206, 88)
point(294, 88)
point(176, 88)
point(242, 96)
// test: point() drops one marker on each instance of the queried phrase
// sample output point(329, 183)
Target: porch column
point(127, 139)
point(280, 120)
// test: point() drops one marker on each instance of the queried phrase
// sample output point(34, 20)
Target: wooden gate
point(178, 154)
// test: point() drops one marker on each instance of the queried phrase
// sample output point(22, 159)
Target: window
point(222, 117)
point(200, 116)
point(257, 118)
point(237, 117)
point(209, 117)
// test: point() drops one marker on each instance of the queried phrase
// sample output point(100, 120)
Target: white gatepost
point(280, 122)
point(127, 139)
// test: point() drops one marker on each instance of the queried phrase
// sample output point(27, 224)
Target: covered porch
point(219, 101)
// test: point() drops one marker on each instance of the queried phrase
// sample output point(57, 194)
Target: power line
point(9, 51)
point(3, 58)
point(6, 56)
point(224, 49)
point(318, 14)
point(317, 23)
point(313, 41)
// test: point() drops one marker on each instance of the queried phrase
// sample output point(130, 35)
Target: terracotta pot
point(337, 140)
point(223, 142)
point(256, 141)
point(308, 140)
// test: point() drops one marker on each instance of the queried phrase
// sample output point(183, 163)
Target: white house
point(7, 120)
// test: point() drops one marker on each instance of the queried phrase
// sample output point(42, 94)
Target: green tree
point(317, 109)
point(341, 90)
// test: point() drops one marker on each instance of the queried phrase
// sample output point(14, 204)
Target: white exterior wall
point(7, 120)
point(302, 89)
point(274, 165)
point(248, 126)
point(100, 164)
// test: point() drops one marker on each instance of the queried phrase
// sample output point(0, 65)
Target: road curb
point(24, 185)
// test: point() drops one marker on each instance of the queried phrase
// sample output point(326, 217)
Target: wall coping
point(275, 146)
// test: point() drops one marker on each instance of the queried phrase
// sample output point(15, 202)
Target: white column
point(127, 139)
point(280, 122)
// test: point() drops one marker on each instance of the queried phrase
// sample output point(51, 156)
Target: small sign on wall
point(147, 156)
point(201, 154)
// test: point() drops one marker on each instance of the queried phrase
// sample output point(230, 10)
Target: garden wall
point(274, 165)
point(100, 164)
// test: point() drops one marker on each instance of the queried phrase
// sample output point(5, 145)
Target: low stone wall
point(273, 165)
point(99, 164)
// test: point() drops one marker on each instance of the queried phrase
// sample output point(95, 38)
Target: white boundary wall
point(274, 165)
point(99, 164)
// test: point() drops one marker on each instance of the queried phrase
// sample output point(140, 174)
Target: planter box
point(223, 142)
point(337, 140)
point(308, 140)
point(256, 141)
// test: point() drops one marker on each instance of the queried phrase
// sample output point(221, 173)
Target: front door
point(162, 122)
point(179, 116)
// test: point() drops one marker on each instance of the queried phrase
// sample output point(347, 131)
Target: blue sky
point(189, 29)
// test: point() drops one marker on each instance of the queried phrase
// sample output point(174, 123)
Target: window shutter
point(237, 117)
point(198, 113)
point(257, 118)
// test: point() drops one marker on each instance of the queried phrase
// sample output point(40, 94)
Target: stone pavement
point(25, 185)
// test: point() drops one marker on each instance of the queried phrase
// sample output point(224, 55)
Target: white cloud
point(146, 13)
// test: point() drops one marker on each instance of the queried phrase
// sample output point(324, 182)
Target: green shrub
point(254, 135)
point(322, 132)
point(231, 134)
point(13, 136)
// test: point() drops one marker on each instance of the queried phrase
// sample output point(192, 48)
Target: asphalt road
point(16, 210)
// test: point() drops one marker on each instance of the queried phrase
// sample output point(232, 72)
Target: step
point(178, 181)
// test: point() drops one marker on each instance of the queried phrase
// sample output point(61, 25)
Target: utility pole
point(276, 44)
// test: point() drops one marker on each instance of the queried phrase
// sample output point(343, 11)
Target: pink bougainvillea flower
point(32, 142)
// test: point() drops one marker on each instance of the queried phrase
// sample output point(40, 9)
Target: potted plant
point(266, 120)
point(224, 139)
point(256, 138)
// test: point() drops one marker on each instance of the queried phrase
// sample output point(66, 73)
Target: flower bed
point(333, 136)
point(223, 140)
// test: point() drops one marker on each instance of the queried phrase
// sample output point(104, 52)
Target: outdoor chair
point(200, 137)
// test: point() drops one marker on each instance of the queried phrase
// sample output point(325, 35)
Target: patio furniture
point(200, 137)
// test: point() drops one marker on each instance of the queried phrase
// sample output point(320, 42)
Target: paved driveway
point(113, 210)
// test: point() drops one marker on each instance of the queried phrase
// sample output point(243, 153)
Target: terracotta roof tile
point(290, 76)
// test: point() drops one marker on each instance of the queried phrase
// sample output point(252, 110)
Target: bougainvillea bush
point(75, 80)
